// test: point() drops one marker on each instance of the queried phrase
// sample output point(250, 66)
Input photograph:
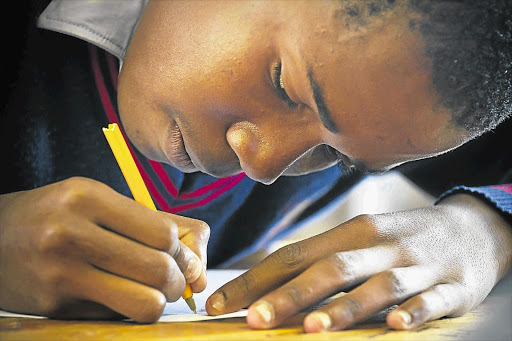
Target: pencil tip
point(192, 304)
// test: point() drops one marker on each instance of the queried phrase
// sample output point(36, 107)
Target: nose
point(266, 152)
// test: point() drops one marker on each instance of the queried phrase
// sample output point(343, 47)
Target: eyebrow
point(323, 110)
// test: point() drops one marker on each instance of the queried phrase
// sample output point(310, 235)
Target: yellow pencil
point(135, 182)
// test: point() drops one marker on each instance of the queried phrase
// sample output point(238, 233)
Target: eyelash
point(335, 153)
point(339, 160)
point(280, 89)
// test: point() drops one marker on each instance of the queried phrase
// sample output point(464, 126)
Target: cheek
point(135, 112)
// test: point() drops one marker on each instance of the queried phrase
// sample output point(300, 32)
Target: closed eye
point(352, 165)
point(339, 157)
point(279, 86)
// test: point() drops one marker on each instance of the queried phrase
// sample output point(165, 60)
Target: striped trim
point(202, 195)
point(233, 181)
point(113, 69)
point(499, 195)
point(504, 188)
point(162, 175)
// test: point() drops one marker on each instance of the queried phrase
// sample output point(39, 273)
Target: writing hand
point(78, 249)
point(433, 262)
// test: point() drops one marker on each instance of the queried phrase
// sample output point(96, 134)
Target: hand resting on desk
point(78, 249)
point(433, 262)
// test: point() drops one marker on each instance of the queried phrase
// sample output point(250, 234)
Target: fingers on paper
point(129, 298)
point(84, 291)
point(326, 277)
point(288, 262)
point(84, 310)
point(439, 301)
point(378, 293)
point(273, 271)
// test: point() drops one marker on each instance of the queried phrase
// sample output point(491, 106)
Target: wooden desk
point(489, 321)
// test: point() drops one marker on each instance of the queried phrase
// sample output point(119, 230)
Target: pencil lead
point(192, 304)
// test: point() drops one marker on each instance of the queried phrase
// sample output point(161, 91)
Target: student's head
point(292, 87)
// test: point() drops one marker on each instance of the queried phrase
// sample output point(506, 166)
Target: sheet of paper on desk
point(179, 311)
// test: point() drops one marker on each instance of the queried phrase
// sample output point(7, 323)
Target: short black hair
point(470, 45)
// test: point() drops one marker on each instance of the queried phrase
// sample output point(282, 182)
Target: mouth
point(176, 152)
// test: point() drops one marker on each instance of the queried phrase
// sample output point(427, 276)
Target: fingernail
point(191, 268)
point(218, 302)
point(265, 310)
point(320, 320)
point(404, 316)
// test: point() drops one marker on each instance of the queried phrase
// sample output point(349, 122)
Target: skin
point(207, 68)
point(86, 251)
point(376, 82)
point(432, 262)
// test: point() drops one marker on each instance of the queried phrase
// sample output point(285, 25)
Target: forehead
point(369, 59)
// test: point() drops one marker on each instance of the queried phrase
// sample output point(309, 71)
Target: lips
point(176, 152)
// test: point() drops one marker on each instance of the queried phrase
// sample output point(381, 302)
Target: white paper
point(179, 311)
point(4, 313)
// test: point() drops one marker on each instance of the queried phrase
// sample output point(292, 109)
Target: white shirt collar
point(107, 24)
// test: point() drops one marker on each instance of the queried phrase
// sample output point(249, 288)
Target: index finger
point(273, 271)
point(194, 235)
point(112, 210)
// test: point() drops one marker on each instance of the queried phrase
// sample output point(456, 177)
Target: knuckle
point(151, 308)
point(73, 191)
point(296, 296)
point(442, 292)
point(53, 237)
point(364, 218)
point(167, 278)
point(178, 255)
point(369, 221)
point(290, 256)
point(163, 270)
point(169, 238)
point(368, 227)
point(247, 281)
point(343, 266)
point(48, 306)
point(350, 310)
point(204, 230)
point(422, 309)
point(202, 226)
point(52, 284)
point(459, 299)
point(54, 280)
point(175, 287)
point(396, 283)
